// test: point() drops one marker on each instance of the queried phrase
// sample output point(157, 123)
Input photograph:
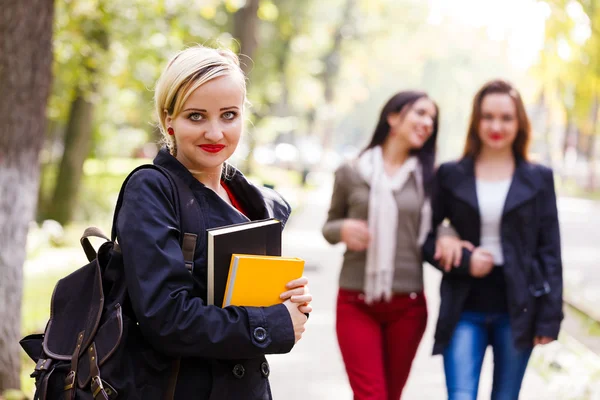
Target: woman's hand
point(482, 263)
point(298, 319)
point(355, 233)
point(448, 251)
point(542, 340)
point(299, 294)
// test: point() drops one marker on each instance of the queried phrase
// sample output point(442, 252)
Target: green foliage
point(386, 46)
point(569, 65)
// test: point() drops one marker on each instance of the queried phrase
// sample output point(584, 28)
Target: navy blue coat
point(530, 244)
point(221, 349)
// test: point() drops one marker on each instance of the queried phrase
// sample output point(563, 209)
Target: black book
point(255, 237)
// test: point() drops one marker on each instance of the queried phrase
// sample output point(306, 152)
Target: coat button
point(260, 334)
point(525, 310)
point(239, 371)
point(264, 369)
point(413, 295)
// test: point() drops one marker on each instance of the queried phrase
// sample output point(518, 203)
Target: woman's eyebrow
point(203, 110)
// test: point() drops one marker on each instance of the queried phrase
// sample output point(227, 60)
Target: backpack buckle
point(43, 364)
point(98, 388)
point(70, 380)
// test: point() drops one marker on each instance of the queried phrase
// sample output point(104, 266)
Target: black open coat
point(530, 243)
point(221, 349)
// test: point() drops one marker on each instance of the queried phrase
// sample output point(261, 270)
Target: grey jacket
point(350, 199)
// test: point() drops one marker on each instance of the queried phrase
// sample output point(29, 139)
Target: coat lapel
point(463, 183)
point(522, 187)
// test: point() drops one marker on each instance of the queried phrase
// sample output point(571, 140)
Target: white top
point(491, 196)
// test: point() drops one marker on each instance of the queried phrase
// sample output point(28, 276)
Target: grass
point(589, 326)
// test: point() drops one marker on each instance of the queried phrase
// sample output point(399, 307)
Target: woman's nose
point(213, 132)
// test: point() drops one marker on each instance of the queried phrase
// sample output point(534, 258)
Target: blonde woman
point(200, 100)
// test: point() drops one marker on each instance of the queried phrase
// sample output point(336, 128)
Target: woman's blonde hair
point(186, 71)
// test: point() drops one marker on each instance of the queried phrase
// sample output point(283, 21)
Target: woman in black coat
point(200, 99)
point(505, 290)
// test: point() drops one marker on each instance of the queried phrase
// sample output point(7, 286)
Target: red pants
point(379, 342)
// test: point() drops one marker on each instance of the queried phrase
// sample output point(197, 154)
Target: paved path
point(580, 237)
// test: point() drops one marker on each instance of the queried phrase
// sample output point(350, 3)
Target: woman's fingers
point(306, 308)
point(447, 257)
point(301, 299)
point(457, 255)
point(542, 340)
point(303, 281)
point(467, 245)
point(294, 292)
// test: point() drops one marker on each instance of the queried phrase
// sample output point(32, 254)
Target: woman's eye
point(195, 116)
point(229, 115)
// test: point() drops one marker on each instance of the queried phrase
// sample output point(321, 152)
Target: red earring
point(171, 131)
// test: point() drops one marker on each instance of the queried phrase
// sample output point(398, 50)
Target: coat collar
point(259, 202)
point(523, 186)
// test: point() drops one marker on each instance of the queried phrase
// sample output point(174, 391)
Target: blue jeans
point(464, 356)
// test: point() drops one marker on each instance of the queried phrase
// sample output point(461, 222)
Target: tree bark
point(78, 140)
point(78, 135)
point(591, 149)
point(332, 61)
point(245, 30)
point(25, 75)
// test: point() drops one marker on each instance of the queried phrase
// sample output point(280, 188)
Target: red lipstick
point(495, 136)
point(212, 148)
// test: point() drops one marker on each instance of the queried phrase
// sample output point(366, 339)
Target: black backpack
point(92, 347)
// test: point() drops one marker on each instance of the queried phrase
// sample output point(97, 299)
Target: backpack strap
point(186, 207)
point(189, 217)
point(89, 250)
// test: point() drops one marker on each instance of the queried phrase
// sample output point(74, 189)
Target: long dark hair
point(402, 102)
point(521, 143)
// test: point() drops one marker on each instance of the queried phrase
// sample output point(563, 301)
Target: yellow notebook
point(257, 281)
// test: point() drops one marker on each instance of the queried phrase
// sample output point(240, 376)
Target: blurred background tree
point(568, 72)
point(25, 76)
point(318, 74)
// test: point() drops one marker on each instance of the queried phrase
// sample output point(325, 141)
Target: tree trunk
point(55, 132)
point(25, 75)
point(245, 30)
point(591, 150)
point(78, 135)
point(545, 121)
point(78, 139)
point(568, 134)
point(332, 61)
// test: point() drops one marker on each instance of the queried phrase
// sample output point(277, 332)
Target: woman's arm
point(338, 208)
point(160, 287)
point(550, 313)
point(439, 208)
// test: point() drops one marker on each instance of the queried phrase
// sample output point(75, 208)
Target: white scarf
point(383, 220)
